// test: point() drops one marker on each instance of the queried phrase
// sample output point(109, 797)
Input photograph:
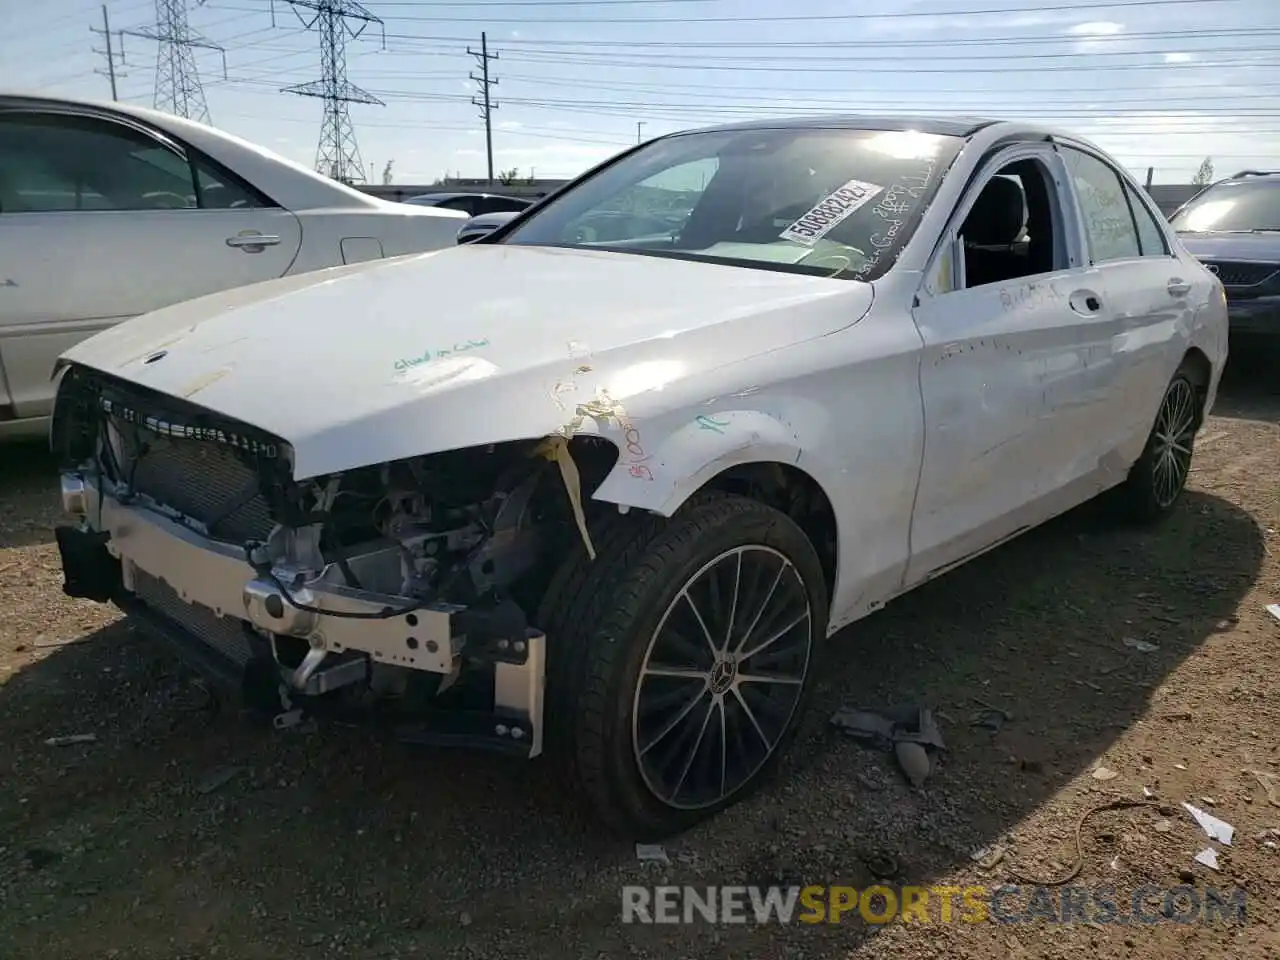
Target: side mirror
point(484, 224)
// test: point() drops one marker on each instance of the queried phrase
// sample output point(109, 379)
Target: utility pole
point(178, 89)
point(639, 125)
point(486, 104)
point(110, 54)
point(337, 155)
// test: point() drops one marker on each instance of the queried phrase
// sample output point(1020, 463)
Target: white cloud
point(1178, 58)
point(509, 124)
point(1097, 28)
point(1100, 35)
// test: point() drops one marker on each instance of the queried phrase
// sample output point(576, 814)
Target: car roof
point(940, 125)
point(1252, 176)
point(287, 182)
point(462, 193)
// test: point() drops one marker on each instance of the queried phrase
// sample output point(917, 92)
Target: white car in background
point(108, 211)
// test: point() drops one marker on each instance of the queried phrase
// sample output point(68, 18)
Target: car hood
point(458, 347)
point(1232, 246)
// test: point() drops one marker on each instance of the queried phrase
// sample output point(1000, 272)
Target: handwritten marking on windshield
point(430, 355)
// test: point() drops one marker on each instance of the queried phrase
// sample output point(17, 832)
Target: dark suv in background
point(1233, 227)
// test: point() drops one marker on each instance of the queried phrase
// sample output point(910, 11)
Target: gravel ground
point(187, 832)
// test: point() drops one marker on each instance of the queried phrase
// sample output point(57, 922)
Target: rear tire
point(681, 660)
point(1156, 481)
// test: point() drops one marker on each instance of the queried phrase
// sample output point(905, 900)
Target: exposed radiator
point(224, 634)
point(205, 481)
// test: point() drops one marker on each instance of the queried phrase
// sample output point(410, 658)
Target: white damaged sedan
point(603, 482)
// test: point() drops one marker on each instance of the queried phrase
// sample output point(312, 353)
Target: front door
point(101, 221)
point(1015, 362)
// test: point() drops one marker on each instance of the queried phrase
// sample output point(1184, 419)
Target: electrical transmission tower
point(486, 104)
point(111, 54)
point(337, 156)
point(178, 88)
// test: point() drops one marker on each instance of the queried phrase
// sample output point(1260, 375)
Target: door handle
point(1178, 287)
point(252, 240)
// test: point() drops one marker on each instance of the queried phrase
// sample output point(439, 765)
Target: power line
point(805, 18)
point(110, 54)
point(790, 106)
point(615, 63)
point(486, 104)
point(664, 59)
point(177, 88)
point(337, 154)
point(881, 42)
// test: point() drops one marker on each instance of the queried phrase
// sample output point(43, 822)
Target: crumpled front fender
point(661, 475)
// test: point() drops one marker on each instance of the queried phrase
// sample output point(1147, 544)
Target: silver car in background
point(109, 211)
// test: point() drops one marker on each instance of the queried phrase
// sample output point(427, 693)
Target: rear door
point(103, 218)
point(1148, 291)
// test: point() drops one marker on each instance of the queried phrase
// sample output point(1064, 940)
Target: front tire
point(682, 659)
point(1158, 478)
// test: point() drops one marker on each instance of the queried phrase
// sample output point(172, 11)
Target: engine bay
point(413, 583)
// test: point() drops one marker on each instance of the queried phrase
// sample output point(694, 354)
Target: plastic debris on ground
point(1216, 829)
point(217, 778)
point(651, 853)
point(1142, 646)
point(1208, 857)
point(910, 731)
point(1274, 610)
point(70, 739)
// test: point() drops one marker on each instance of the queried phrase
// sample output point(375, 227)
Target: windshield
point(1245, 205)
point(823, 202)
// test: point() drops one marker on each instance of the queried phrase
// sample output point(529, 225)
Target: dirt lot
point(331, 844)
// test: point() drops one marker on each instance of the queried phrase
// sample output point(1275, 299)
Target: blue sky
point(1159, 84)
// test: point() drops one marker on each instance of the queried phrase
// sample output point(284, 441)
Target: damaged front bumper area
point(228, 622)
point(299, 639)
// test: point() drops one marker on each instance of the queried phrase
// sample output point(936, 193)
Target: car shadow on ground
point(386, 846)
point(28, 494)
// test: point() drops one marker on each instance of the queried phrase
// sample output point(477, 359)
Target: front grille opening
point(230, 478)
point(1242, 274)
point(211, 484)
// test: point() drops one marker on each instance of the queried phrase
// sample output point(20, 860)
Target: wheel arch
point(792, 491)
point(1197, 363)
point(747, 453)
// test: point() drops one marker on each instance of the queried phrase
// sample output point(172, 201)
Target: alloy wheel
point(722, 677)
point(1174, 435)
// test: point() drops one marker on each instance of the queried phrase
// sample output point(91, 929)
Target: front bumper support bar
point(113, 542)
